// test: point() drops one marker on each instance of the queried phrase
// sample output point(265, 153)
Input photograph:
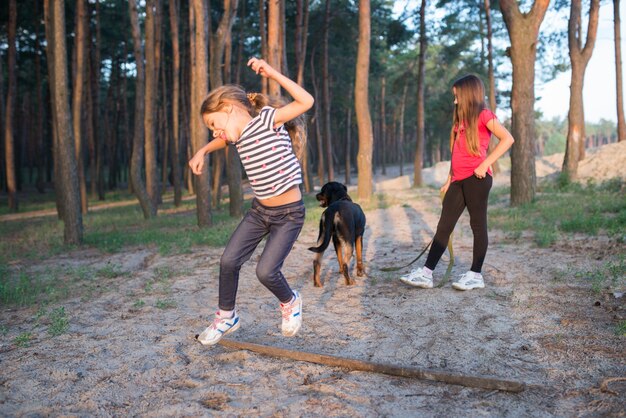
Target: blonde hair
point(253, 103)
point(470, 97)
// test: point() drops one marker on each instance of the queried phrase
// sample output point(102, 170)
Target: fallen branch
point(366, 366)
point(604, 387)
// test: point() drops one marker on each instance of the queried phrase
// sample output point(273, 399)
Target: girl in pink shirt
point(468, 183)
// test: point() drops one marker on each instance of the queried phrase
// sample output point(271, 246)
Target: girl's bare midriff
point(291, 195)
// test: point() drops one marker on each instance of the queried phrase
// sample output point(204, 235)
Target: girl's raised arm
point(302, 100)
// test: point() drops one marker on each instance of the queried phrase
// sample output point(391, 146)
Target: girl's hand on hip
point(197, 163)
point(480, 171)
point(261, 67)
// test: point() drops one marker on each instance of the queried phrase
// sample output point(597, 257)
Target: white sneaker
point(469, 281)
point(417, 278)
point(220, 327)
point(292, 315)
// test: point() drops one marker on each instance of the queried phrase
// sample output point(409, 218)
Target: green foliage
point(611, 275)
point(165, 304)
point(59, 323)
point(563, 207)
point(620, 329)
point(23, 340)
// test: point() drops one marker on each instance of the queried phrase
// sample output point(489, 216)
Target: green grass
point(620, 329)
point(562, 207)
point(23, 340)
point(59, 323)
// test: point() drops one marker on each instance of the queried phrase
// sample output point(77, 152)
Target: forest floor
point(130, 347)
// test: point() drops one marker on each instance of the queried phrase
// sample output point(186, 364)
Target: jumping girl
point(468, 183)
point(268, 139)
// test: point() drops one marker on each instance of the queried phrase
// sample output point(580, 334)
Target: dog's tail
point(326, 230)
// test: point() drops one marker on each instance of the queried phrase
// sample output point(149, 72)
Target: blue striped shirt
point(267, 156)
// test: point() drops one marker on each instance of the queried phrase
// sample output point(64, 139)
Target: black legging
point(472, 193)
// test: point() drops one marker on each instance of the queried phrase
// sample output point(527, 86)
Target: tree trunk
point(233, 166)
point(491, 76)
point(40, 149)
point(150, 95)
point(9, 135)
point(100, 139)
point(418, 162)
point(361, 104)
point(67, 176)
point(79, 95)
point(383, 125)
point(199, 88)
point(348, 145)
point(136, 164)
point(523, 31)
point(621, 124)
point(316, 121)
point(264, 46)
point(579, 57)
point(302, 25)
point(401, 130)
point(274, 42)
point(326, 95)
point(174, 7)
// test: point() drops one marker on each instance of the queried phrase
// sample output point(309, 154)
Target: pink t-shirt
point(464, 163)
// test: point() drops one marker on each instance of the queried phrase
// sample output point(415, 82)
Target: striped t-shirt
point(267, 156)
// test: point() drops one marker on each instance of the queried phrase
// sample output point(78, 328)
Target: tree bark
point(361, 104)
point(326, 101)
point(199, 88)
point(9, 134)
point(621, 124)
point(150, 95)
point(491, 76)
point(301, 36)
point(383, 125)
point(418, 162)
point(523, 31)
point(579, 57)
point(274, 42)
point(78, 95)
point(264, 46)
point(174, 7)
point(68, 180)
point(136, 164)
point(233, 166)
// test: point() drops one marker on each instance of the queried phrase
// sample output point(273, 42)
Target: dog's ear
point(345, 189)
point(348, 197)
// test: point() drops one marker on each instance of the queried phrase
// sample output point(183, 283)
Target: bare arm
point(302, 100)
point(505, 140)
point(197, 162)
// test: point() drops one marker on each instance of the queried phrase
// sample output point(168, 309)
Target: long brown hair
point(253, 103)
point(470, 97)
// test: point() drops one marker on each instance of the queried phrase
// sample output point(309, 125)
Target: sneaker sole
point(458, 286)
point(420, 285)
point(292, 333)
point(231, 329)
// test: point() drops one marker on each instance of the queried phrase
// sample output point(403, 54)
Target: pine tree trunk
point(136, 165)
point(67, 176)
point(264, 46)
point(361, 104)
point(418, 162)
point(199, 87)
point(150, 95)
point(621, 124)
point(326, 96)
point(174, 7)
point(274, 43)
point(523, 31)
point(579, 57)
point(491, 76)
point(9, 134)
point(78, 96)
point(383, 126)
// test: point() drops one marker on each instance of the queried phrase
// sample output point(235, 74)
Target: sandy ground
point(534, 323)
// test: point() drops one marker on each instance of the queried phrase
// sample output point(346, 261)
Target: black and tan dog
point(344, 221)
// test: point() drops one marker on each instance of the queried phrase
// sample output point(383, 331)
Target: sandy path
point(123, 358)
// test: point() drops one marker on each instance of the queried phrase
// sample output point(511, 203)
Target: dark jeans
point(472, 193)
point(283, 224)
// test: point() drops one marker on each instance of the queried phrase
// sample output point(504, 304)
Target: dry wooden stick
point(334, 361)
